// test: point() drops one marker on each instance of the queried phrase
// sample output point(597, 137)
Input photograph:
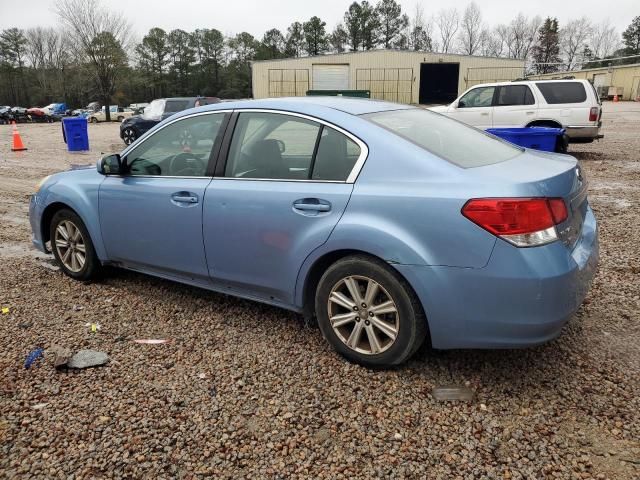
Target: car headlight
point(41, 182)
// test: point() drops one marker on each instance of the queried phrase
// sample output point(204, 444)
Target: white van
point(569, 104)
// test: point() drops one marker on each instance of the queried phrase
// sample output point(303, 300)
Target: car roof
point(353, 106)
point(529, 80)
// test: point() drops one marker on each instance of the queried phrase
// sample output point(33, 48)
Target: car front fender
point(82, 198)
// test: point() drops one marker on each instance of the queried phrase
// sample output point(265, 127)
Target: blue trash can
point(538, 138)
point(75, 134)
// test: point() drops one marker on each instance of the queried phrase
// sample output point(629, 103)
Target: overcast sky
point(255, 17)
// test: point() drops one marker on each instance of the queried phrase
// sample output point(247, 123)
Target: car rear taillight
point(523, 222)
point(593, 114)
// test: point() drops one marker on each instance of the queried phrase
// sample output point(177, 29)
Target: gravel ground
point(247, 391)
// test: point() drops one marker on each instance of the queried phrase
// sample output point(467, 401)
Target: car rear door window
point(478, 97)
point(285, 147)
point(336, 156)
point(514, 95)
point(181, 149)
point(562, 92)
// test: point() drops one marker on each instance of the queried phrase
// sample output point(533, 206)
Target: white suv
point(569, 104)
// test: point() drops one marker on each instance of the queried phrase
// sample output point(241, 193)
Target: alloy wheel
point(363, 315)
point(128, 136)
point(70, 246)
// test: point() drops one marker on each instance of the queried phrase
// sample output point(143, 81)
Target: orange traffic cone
point(615, 98)
point(18, 146)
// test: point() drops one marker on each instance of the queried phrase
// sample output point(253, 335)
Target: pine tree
point(547, 49)
point(631, 37)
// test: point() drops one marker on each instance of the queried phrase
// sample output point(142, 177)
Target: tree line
point(92, 55)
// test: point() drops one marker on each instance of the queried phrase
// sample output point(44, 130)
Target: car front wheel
point(129, 136)
point(72, 246)
point(93, 120)
point(368, 313)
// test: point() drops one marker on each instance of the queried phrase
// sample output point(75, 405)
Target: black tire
point(93, 120)
point(562, 143)
point(92, 266)
point(412, 325)
point(120, 119)
point(129, 135)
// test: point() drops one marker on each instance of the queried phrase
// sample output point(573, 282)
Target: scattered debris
point(213, 392)
point(152, 341)
point(25, 325)
point(50, 265)
point(452, 392)
point(33, 357)
point(60, 354)
point(202, 376)
point(5, 310)
point(397, 436)
point(88, 358)
point(94, 327)
point(39, 406)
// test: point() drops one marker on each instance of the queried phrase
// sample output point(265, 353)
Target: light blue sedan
point(388, 223)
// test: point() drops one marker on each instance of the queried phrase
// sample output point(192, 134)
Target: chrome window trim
point(355, 171)
point(351, 178)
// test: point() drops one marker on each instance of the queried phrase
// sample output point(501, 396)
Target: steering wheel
point(187, 165)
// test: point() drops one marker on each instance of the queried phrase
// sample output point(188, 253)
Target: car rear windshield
point(562, 92)
point(449, 139)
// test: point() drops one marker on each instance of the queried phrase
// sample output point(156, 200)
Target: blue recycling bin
point(75, 134)
point(538, 138)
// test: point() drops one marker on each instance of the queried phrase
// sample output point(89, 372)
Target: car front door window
point(181, 149)
point(478, 97)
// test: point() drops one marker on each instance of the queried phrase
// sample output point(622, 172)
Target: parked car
point(158, 110)
point(569, 104)
point(118, 114)
point(388, 222)
point(40, 115)
point(55, 109)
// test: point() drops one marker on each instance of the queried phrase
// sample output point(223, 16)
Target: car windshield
point(449, 139)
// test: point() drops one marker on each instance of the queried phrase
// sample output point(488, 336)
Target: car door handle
point(530, 113)
point(184, 197)
point(484, 114)
point(312, 205)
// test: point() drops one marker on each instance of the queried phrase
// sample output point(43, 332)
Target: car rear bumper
point(522, 297)
point(577, 133)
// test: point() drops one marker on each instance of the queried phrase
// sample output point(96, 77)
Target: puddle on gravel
point(16, 250)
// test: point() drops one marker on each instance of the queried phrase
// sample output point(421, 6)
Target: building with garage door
point(393, 75)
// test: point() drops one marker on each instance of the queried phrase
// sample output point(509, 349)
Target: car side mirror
point(111, 165)
point(460, 104)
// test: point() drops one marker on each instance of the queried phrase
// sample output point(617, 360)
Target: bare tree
point(471, 29)
point(491, 43)
point(448, 23)
point(604, 40)
point(522, 35)
point(99, 38)
point(573, 40)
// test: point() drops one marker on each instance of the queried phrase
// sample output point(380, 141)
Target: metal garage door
point(331, 77)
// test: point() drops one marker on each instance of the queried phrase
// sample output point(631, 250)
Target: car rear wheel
point(72, 246)
point(93, 120)
point(368, 313)
point(120, 119)
point(129, 136)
